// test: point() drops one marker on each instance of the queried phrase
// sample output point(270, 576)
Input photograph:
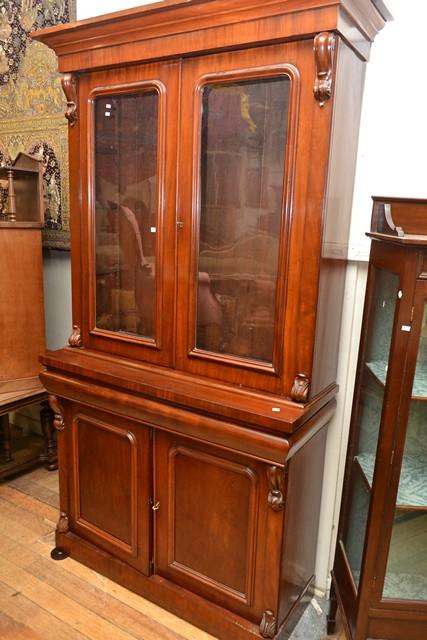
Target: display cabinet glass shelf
point(212, 154)
point(380, 569)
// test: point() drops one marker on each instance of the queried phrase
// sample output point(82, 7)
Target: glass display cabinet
point(212, 153)
point(380, 569)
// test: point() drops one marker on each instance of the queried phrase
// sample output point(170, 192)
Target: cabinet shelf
point(378, 369)
point(412, 493)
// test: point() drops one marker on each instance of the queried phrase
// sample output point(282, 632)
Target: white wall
point(391, 161)
point(393, 134)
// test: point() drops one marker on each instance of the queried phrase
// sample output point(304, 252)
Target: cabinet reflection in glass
point(242, 160)
point(126, 211)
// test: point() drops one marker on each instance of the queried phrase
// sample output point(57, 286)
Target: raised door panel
point(129, 134)
point(212, 525)
point(246, 194)
point(111, 484)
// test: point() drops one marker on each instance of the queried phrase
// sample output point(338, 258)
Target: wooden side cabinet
point(380, 569)
point(22, 315)
point(212, 152)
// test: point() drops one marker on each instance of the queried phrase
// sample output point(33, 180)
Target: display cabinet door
point(367, 413)
point(385, 334)
point(243, 170)
point(215, 533)
point(128, 210)
point(110, 483)
point(405, 558)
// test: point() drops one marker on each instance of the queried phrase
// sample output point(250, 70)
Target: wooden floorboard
point(25, 484)
point(25, 619)
point(11, 628)
point(28, 503)
point(45, 600)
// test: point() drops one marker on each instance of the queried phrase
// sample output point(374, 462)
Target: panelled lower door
point(110, 488)
point(129, 120)
point(215, 533)
point(246, 133)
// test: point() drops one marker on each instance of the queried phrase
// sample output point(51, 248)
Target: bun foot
point(59, 554)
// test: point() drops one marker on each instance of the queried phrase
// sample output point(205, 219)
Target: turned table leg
point(49, 456)
point(5, 428)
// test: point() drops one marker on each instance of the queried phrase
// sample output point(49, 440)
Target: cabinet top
point(184, 27)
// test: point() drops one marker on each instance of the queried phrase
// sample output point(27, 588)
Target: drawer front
point(110, 483)
point(215, 531)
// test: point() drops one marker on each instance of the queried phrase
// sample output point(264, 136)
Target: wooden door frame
point(164, 79)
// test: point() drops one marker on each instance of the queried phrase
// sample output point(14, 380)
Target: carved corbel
point(324, 44)
point(69, 86)
point(386, 223)
point(267, 628)
point(75, 339)
point(62, 526)
point(276, 494)
point(300, 388)
point(58, 418)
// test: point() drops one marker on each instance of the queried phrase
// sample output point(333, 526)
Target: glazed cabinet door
point(128, 125)
point(384, 287)
point(215, 533)
point(246, 128)
point(110, 481)
point(372, 451)
point(402, 560)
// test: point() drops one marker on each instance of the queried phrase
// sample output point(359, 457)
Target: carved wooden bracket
point(276, 481)
point(382, 220)
point(267, 628)
point(58, 418)
point(300, 388)
point(388, 217)
point(69, 86)
point(324, 44)
point(75, 339)
point(62, 526)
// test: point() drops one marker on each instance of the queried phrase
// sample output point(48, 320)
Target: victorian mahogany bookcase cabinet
point(380, 570)
point(212, 156)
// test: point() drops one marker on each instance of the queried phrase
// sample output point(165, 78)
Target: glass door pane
point(368, 413)
point(406, 576)
point(242, 159)
point(126, 211)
